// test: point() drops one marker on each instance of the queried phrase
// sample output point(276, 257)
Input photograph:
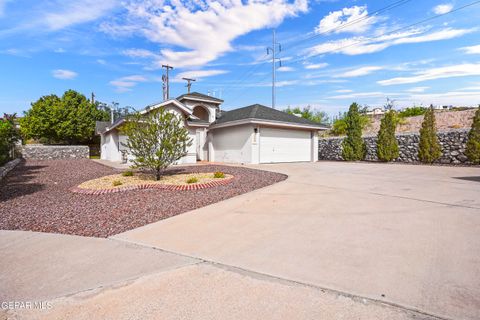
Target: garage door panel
point(280, 145)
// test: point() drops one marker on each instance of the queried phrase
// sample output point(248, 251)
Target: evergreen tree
point(473, 143)
point(353, 146)
point(387, 145)
point(429, 149)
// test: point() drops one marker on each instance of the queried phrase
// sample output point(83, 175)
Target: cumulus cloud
point(459, 70)
point(365, 45)
point(358, 72)
point(342, 21)
point(471, 49)
point(285, 69)
point(443, 8)
point(202, 30)
point(64, 74)
point(417, 89)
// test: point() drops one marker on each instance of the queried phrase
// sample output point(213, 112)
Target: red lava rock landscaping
point(35, 196)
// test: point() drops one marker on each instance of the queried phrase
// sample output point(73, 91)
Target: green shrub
point(412, 112)
point(339, 126)
point(429, 149)
point(128, 173)
point(192, 180)
point(353, 146)
point(219, 175)
point(473, 143)
point(387, 144)
point(8, 138)
point(117, 183)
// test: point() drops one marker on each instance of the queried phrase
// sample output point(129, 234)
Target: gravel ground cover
point(107, 182)
point(35, 196)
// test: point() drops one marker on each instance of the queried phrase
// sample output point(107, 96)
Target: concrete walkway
point(334, 241)
point(406, 235)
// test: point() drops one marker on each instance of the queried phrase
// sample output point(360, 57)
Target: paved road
point(404, 235)
point(407, 235)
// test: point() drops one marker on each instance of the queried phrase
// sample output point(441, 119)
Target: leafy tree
point(307, 113)
point(69, 119)
point(156, 140)
point(429, 149)
point(339, 126)
point(353, 146)
point(412, 112)
point(387, 144)
point(8, 137)
point(473, 143)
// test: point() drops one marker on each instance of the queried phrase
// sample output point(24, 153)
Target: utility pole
point(189, 83)
point(166, 85)
point(93, 97)
point(273, 49)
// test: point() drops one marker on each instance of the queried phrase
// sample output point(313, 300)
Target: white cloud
point(443, 8)
point(3, 5)
point(341, 21)
point(204, 30)
point(64, 74)
point(417, 89)
point(316, 66)
point(343, 91)
point(455, 98)
point(460, 70)
point(126, 83)
point(471, 50)
point(364, 45)
point(358, 72)
point(198, 74)
point(67, 13)
point(285, 69)
point(357, 95)
point(139, 53)
point(101, 61)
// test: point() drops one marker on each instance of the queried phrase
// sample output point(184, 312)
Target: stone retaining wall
point(453, 144)
point(7, 167)
point(46, 152)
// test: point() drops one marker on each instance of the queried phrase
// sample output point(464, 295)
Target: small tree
point(429, 149)
point(156, 140)
point(8, 137)
point(387, 144)
point(353, 146)
point(473, 143)
point(307, 113)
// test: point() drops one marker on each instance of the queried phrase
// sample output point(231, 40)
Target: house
point(375, 112)
point(253, 134)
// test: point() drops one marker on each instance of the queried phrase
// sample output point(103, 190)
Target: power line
point(273, 49)
point(390, 32)
point(189, 83)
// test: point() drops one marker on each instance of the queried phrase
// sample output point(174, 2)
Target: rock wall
point(7, 167)
point(46, 152)
point(453, 144)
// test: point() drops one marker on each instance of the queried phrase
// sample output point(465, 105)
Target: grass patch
point(192, 180)
point(128, 173)
point(117, 183)
point(219, 175)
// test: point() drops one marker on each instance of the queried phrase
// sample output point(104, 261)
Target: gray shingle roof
point(259, 112)
point(198, 96)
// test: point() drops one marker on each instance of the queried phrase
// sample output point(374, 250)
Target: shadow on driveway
point(18, 183)
point(472, 178)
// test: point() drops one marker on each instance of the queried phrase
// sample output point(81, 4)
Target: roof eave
point(268, 122)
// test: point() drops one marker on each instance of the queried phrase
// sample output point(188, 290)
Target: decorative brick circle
point(171, 187)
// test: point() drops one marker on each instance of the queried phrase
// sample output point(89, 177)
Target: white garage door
point(281, 145)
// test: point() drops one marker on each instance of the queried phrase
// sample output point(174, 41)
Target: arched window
point(201, 112)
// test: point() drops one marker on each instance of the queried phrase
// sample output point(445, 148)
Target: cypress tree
point(387, 145)
point(473, 143)
point(353, 146)
point(429, 149)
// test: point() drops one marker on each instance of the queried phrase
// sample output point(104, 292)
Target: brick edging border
point(170, 187)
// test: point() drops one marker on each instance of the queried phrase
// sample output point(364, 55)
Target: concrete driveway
point(405, 235)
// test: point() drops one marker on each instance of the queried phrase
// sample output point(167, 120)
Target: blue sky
point(333, 52)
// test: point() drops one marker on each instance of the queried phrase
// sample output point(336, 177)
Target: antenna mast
point(189, 83)
point(273, 49)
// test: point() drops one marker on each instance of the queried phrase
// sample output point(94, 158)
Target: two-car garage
point(284, 145)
